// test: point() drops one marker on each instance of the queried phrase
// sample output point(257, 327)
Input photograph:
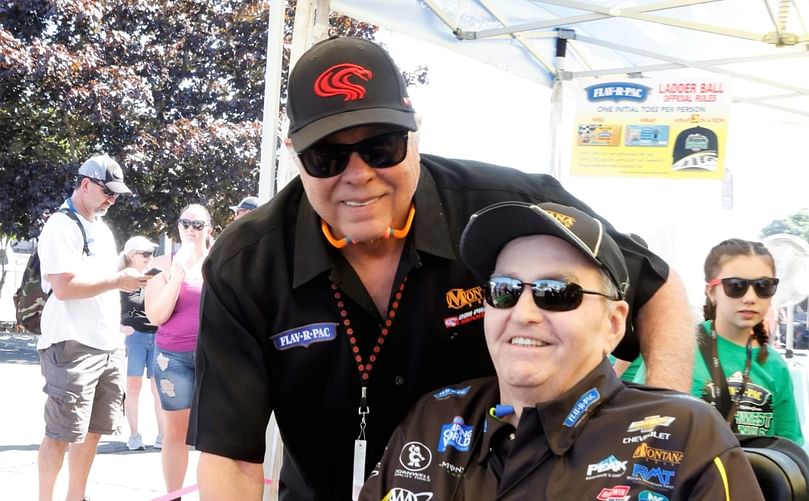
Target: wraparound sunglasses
point(380, 152)
point(550, 295)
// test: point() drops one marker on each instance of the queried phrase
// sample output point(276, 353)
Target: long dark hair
point(725, 250)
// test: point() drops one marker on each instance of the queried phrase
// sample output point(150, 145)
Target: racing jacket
point(600, 440)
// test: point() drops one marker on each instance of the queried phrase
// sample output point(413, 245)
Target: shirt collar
point(563, 419)
point(430, 233)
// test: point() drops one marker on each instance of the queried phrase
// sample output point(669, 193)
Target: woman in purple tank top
point(172, 303)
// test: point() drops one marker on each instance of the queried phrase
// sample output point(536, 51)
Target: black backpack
point(29, 300)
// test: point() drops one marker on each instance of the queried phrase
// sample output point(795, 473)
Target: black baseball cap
point(490, 229)
point(341, 83)
point(106, 170)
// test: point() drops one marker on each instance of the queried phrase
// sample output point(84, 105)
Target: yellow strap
point(722, 473)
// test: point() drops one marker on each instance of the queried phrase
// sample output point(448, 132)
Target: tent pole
point(272, 89)
point(311, 25)
point(557, 104)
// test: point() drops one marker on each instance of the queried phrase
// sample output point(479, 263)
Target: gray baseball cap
point(106, 170)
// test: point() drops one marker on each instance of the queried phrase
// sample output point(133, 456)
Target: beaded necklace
point(364, 369)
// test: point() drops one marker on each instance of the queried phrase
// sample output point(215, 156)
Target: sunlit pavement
point(118, 474)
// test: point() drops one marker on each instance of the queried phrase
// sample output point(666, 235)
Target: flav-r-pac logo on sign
point(617, 91)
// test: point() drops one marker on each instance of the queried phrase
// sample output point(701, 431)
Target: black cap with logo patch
point(345, 82)
point(490, 229)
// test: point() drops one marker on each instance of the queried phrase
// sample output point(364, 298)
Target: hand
point(177, 270)
point(130, 279)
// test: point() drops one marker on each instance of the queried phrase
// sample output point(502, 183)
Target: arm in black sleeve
point(231, 405)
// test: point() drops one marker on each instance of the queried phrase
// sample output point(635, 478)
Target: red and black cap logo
point(336, 81)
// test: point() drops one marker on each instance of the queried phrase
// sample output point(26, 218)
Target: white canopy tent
point(762, 44)
point(754, 41)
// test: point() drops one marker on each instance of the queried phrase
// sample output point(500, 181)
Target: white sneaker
point(135, 442)
point(158, 442)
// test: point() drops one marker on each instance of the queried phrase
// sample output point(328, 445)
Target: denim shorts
point(85, 389)
point(174, 375)
point(139, 354)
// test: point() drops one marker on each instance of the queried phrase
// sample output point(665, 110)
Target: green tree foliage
point(172, 89)
point(795, 224)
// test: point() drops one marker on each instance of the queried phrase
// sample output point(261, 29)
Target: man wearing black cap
point(556, 422)
point(342, 300)
point(81, 348)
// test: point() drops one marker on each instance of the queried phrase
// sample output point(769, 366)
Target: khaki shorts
point(85, 389)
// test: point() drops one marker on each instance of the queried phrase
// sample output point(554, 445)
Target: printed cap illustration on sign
point(695, 148)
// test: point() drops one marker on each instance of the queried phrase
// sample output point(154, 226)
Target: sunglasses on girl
point(736, 287)
point(550, 295)
point(146, 254)
point(196, 224)
point(324, 160)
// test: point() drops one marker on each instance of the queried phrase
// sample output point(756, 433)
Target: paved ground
point(118, 474)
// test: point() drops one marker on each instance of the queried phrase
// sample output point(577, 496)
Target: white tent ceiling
point(763, 45)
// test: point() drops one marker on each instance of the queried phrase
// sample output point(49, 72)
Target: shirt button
point(399, 380)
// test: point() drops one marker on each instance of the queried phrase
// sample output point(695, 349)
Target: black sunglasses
point(146, 254)
point(551, 295)
point(196, 224)
point(736, 287)
point(380, 152)
point(107, 192)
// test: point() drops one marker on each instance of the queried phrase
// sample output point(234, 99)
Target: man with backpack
point(81, 350)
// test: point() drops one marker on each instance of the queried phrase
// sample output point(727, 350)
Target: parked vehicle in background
point(800, 332)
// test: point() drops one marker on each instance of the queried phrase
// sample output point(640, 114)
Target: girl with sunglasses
point(735, 370)
point(173, 302)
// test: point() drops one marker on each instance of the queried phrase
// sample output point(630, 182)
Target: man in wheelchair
point(556, 422)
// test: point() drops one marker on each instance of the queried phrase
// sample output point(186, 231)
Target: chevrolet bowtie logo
point(649, 423)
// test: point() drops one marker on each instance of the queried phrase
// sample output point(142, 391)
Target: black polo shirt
point(599, 440)
point(271, 335)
